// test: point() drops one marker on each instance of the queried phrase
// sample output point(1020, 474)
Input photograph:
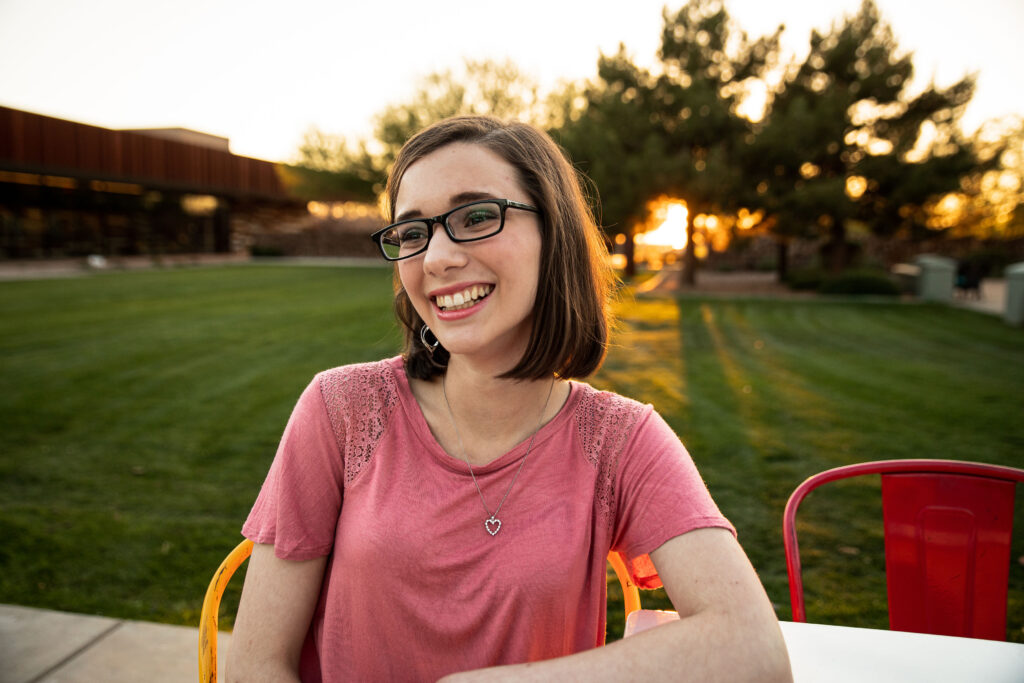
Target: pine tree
point(844, 141)
point(677, 133)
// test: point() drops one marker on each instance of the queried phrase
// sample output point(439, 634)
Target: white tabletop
point(841, 654)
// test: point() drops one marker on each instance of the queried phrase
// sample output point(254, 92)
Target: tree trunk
point(629, 252)
point(688, 275)
point(781, 258)
point(836, 255)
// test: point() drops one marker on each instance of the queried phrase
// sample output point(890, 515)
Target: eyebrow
point(454, 200)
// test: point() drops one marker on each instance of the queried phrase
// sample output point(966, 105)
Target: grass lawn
point(140, 411)
point(766, 393)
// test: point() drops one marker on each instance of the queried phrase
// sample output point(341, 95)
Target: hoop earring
point(431, 346)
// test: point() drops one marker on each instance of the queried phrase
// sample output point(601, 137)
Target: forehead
point(432, 183)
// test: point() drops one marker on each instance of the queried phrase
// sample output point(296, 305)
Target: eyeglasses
point(466, 223)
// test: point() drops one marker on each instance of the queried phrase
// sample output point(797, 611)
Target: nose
point(442, 253)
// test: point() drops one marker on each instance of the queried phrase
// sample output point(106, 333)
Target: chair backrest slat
point(948, 527)
point(947, 553)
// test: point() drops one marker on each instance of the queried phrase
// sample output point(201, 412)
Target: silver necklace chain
point(493, 523)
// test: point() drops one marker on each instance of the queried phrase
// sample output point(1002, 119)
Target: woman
point(448, 512)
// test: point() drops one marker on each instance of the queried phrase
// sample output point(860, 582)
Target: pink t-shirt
point(415, 587)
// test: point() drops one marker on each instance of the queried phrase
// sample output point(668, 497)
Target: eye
point(477, 218)
point(480, 216)
point(411, 233)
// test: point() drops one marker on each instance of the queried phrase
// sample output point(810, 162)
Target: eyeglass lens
point(472, 222)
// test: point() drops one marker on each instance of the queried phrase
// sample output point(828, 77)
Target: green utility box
point(1014, 313)
point(936, 279)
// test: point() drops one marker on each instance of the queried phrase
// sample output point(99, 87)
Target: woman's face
point(495, 279)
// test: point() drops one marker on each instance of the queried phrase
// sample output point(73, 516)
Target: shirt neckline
point(426, 437)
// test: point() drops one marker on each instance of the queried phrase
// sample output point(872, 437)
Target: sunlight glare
point(745, 220)
point(856, 185)
point(947, 212)
point(670, 217)
point(754, 104)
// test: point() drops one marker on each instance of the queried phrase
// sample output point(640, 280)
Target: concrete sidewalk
point(990, 297)
point(30, 269)
point(39, 645)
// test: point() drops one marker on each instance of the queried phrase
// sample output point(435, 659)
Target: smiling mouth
point(464, 299)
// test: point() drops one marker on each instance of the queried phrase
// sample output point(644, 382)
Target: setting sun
point(669, 215)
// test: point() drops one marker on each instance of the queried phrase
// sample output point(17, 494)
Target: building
point(70, 190)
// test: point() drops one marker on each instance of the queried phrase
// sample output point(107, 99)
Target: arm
point(278, 599)
point(727, 629)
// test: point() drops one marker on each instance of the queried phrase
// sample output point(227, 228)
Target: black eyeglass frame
point(503, 204)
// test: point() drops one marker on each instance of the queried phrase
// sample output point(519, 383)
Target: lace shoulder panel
point(359, 400)
point(605, 422)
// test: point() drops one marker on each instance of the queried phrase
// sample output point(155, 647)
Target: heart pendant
point(493, 525)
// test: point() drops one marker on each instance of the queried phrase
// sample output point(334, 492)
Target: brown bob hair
point(571, 317)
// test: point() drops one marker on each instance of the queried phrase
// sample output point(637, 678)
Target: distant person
point(968, 279)
point(447, 513)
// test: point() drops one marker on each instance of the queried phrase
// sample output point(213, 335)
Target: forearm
point(253, 657)
point(248, 670)
point(702, 647)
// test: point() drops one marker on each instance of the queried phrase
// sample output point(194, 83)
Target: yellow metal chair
point(636, 618)
point(211, 607)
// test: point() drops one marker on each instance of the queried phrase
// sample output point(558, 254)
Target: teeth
point(463, 299)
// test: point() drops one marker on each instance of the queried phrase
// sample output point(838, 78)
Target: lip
point(449, 316)
point(433, 294)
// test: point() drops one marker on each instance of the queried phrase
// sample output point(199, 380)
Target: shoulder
point(604, 402)
point(359, 400)
point(605, 421)
point(361, 383)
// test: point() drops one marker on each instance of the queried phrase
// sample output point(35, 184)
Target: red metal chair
point(947, 531)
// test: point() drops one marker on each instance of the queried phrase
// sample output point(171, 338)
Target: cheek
point(411, 280)
point(407, 276)
point(529, 275)
point(534, 261)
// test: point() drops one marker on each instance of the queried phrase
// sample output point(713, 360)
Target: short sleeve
point(660, 495)
point(298, 507)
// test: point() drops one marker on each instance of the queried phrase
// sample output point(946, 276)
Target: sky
point(263, 73)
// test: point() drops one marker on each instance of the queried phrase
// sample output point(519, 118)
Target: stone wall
point(292, 235)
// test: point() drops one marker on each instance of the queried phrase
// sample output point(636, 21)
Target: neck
point(483, 380)
point(480, 396)
point(492, 415)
